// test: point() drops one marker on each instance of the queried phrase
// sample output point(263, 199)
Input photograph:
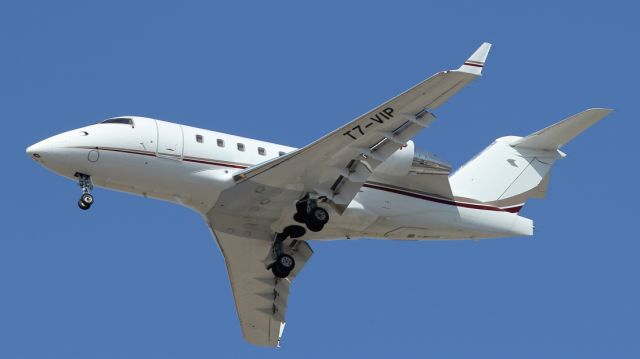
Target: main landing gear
point(308, 212)
point(284, 263)
point(86, 200)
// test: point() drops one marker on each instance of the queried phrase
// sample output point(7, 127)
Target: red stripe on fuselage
point(207, 162)
point(366, 184)
point(153, 154)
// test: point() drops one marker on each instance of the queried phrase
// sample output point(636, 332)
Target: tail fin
point(514, 169)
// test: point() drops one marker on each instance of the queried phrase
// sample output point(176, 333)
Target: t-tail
point(513, 169)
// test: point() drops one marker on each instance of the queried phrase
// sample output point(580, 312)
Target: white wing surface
point(334, 167)
point(261, 298)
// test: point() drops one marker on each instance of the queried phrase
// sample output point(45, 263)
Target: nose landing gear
point(86, 200)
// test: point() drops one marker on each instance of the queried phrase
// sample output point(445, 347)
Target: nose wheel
point(86, 200)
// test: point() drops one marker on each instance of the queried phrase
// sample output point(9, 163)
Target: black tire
point(86, 199)
point(314, 226)
point(83, 206)
point(301, 207)
point(294, 231)
point(279, 272)
point(283, 266)
point(299, 217)
point(319, 215)
point(286, 262)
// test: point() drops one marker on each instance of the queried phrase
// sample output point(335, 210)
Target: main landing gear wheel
point(299, 217)
point(308, 212)
point(283, 266)
point(317, 218)
point(301, 211)
point(284, 263)
point(294, 231)
point(314, 226)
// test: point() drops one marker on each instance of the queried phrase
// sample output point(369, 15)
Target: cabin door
point(170, 140)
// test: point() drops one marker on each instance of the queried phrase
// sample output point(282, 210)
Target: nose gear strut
point(86, 200)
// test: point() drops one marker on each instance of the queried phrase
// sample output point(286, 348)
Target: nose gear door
point(170, 140)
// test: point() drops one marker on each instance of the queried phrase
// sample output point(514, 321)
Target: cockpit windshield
point(120, 120)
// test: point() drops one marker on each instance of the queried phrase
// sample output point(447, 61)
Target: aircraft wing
point(261, 298)
point(261, 198)
point(336, 165)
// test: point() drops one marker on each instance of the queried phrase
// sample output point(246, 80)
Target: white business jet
point(264, 201)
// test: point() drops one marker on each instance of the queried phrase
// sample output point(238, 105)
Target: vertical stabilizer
point(513, 169)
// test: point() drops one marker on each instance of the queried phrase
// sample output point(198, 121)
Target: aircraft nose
point(47, 149)
point(36, 150)
point(55, 154)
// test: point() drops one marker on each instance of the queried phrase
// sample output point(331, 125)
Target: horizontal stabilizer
point(475, 63)
point(557, 135)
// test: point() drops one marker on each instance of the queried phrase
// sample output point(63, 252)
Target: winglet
point(475, 63)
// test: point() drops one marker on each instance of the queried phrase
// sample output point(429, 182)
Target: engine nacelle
point(399, 163)
point(409, 161)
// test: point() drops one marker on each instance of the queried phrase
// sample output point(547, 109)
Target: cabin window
point(120, 120)
point(281, 153)
point(240, 146)
point(199, 139)
point(220, 142)
point(261, 151)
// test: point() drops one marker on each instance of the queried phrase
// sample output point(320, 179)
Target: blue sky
point(141, 278)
